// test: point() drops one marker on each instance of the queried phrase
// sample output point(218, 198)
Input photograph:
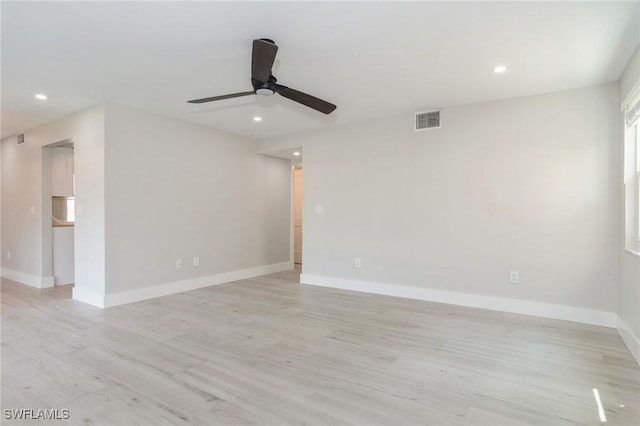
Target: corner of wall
point(151, 292)
point(631, 340)
point(94, 299)
point(501, 304)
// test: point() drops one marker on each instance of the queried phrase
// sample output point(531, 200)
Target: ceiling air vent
point(20, 138)
point(427, 120)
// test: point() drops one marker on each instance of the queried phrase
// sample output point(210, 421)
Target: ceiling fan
point(265, 84)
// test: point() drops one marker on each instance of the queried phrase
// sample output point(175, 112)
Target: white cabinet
point(62, 172)
point(63, 254)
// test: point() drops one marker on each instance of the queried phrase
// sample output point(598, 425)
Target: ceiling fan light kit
point(265, 84)
point(264, 92)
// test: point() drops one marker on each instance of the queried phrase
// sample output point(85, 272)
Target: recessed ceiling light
point(499, 69)
point(41, 96)
point(257, 118)
point(297, 153)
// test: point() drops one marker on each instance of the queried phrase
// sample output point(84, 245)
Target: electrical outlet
point(178, 263)
point(514, 277)
point(8, 254)
point(196, 261)
point(357, 262)
point(319, 209)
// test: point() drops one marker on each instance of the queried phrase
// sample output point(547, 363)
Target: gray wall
point(528, 184)
point(26, 183)
point(178, 190)
point(149, 190)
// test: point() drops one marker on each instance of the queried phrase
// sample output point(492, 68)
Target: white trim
point(47, 282)
point(517, 306)
point(28, 279)
point(151, 292)
point(629, 338)
point(94, 299)
point(635, 91)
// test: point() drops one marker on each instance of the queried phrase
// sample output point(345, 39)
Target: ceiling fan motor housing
point(264, 88)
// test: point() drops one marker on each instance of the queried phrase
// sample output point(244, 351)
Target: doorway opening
point(296, 190)
point(58, 188)
point(297, 215)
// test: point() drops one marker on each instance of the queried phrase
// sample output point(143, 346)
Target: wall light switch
point(178, 263)
point(357, 262)
point(9, 255)
point(33, 209)
point(514, 277)
point(319, 209)
point(196, 261)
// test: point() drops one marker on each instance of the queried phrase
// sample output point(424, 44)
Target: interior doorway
point(297, 215)
point(295, 199)
point(59, 211)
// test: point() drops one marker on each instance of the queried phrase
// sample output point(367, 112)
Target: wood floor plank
point(269, 351)
point(119, 405)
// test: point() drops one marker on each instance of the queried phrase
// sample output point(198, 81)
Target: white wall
point(26, 184)
point(528, 184)
point(176, 190)
point(629, 301)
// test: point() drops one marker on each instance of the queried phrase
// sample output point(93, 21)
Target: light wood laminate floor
point(269, 351)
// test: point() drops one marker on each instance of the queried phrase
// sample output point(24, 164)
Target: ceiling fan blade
point(264, 53)
point(218, 98)
point(305, 99)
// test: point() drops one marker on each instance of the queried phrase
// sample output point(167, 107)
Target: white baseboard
point(47, 282)
point(94, 299)
point(28, 279)
point(151, 292)
point(629, 338)
point(516, 306)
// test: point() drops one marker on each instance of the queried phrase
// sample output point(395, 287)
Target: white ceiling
point(372, 59)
